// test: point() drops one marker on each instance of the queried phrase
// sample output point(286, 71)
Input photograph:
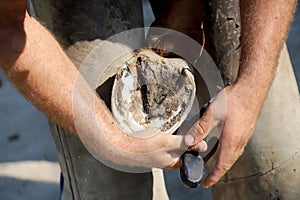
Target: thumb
point(200, 129)
point(212, 117)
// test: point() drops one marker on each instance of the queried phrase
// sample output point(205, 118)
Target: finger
point(175, 149)
point(225, 160)
point(175, 165)
point(187, 124)
point(219, 170)
point(200, 147)
point(167, 152)
point(212, 148)
point(200, 129)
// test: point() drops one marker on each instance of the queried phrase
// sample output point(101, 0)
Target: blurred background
point(28, 163)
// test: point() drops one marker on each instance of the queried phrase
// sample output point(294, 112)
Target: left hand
point(238, 123)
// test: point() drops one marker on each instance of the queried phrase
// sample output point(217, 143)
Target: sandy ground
point(28, 163)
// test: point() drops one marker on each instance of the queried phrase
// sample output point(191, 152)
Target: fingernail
point(189, 139)
point(205, 185)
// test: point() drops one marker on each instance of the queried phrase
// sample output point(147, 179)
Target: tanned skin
point(265, 25)
point(36, 64)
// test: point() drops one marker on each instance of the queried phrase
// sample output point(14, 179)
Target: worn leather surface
point(222, 27)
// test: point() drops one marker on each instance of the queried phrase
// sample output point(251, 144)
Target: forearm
point(36, 64)
point(34, 61)
point(265, 25)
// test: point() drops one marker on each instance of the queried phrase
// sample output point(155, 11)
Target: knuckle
point(241, 151)
point(200, 129)
point(207, 115)
point(223, 167)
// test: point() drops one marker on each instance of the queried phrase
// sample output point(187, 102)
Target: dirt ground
point(28, 163)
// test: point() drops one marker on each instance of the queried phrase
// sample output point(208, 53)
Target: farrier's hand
point(148, 148)
point(237, 123)
point(161, 150)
